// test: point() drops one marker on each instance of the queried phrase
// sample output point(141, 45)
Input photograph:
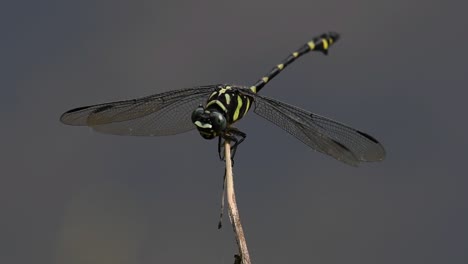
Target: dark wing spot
point(102, 109)
point(76, 109)
point(368, 137)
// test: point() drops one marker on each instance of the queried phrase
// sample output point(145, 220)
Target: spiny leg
point(220, 148)
point(320, 43)
point(235, 137)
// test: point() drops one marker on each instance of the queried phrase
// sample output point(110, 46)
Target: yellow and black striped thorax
point(230, 101)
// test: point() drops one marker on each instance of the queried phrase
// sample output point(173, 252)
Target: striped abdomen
point(321, 43)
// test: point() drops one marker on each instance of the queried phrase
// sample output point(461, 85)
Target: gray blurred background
point(70, 195)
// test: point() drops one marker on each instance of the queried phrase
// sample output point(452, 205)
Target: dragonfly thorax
point(209, 122)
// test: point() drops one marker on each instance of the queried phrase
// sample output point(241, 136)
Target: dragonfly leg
point(221, 141)
point(221, 148)
point(235, 137)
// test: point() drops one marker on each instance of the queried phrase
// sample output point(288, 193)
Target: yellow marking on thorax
point(213, 94)
point(237, 112)
point(253, 89)
point(265, 79)
point(218, 103)
point(295, 54)
point(311, 45)
point(330, 40)
point(325, 44)
point(228, 98)
point(223, 90)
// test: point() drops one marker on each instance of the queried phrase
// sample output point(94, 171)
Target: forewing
point(162, 114)
point(320, 133)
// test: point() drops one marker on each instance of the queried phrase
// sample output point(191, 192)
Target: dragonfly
point(214, 109)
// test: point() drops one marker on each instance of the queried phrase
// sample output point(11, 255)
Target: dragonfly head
point(210, 123)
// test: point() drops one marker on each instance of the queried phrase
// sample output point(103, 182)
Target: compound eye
point(197, 113)
point(218, 121)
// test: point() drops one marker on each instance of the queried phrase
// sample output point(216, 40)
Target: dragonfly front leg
point(235, 137)
point(221, 148)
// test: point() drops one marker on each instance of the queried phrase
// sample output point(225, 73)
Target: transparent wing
point(340, 141)
point(161, 114)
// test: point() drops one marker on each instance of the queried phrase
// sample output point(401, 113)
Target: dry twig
point(233, 211)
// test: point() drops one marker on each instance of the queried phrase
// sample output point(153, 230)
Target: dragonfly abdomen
point(321, 43)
